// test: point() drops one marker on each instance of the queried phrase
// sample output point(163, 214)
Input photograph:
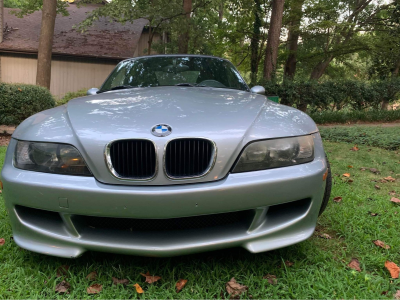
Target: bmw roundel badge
point(161, 130)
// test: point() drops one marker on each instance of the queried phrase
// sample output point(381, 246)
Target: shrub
point(335, 95)
point(354, 116)
point(71, 95)
point(20, 101)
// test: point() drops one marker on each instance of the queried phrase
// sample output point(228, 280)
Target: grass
point(319, 269)
point(344, 117)
point(386, 138)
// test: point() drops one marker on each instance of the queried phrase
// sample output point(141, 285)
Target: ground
point(319, 267)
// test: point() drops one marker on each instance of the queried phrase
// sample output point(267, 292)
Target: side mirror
point(92, 91)
point(258, 89)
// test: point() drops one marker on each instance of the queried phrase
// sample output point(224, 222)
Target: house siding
point(68, 74)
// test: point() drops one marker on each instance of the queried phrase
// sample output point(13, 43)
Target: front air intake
point(189, 158)
point(132, 159)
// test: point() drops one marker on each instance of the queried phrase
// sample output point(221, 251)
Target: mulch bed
point(4, 139)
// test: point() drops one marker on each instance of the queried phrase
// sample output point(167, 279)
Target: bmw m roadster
point(174, 154)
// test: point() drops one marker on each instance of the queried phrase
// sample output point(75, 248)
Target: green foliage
point(70, 96)
point(19, 101)
point(30, 6)
point(335, 95)
point(355, 116)
point(386, 138)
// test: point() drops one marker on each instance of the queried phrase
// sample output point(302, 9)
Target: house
point(80, 60)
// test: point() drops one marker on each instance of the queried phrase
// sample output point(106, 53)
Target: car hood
point(231, 118)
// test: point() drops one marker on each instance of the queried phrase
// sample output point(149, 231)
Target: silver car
point(173, 155)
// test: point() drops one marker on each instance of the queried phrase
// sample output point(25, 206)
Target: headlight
point(50, 158)
point(276, 153)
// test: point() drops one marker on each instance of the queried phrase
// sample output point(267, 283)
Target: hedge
point(71, 95)
point(335, 95)
point(20, 101)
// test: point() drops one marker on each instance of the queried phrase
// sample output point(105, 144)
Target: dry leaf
point(392, 193)
point(2, 242)
point(381, 244)
point(355, 148)
point(374, 214)
point(150, 278)
point(288, 263)
point(350, 180)
point(92, 276)
point(325, 236)
point(346, 174)
point(383, 181)
point(395, 200)
point(393, 269)
point(397, 295)
point(63, 287)
point(390, 179)
point(363, 169)
point(271, 279)
point(235, 289)
point(350, 167)
point(19, 90)
point(94, 288)
point(377, 187)
point(62, 270)
point(139, 290)
point(354, 264)
point(375, 171)
point(120, 281)
point(180, 284)
point(337, 199)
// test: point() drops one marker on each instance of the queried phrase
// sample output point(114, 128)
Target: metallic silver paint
point(110, 166)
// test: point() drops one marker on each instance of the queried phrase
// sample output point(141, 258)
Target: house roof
point(106, 39)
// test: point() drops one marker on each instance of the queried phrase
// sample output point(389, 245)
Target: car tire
point(328, 189)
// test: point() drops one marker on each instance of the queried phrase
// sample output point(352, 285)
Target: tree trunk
point(255, 42)
point(296, 15)
point(395, 73)
point(183, 46)
point(49, 13)
point(1, 27)
point(221, 11)
point(274, 33)
point(149, 42)
point(320, 68)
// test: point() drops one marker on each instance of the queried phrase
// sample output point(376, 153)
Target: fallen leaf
point(395, 200)
point(62, 271)
point(337, 199)
point(350, 180)
point(350, 167)
point(377, 187)
point(392, 193)
point(381, 244)
point(150, 278)
point(382, 181)
point(325, 236)
point(120, 281)
point(346, 174)
point(288, 263)
point(354, 264)
point(397, 295)
point(94, 288)
point(19, 90)
point(180, 284)
point(235, 289)
point(374, 214)
point(92, 276)
point(393, 269)
point(363, 169)
point(2, 242)
point(375, 171)
point(271, 279)
point(355, 148)
point(390, 179)
point(139, 290)
point(63, 287)
point(384, 293)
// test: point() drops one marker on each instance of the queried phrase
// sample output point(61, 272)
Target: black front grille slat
point(188, 157)
point(196, 222)
point(134, 159)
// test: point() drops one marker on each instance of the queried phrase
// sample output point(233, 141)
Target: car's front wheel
point(328, 189)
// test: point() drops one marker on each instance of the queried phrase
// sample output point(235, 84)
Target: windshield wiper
point(184, 84)
point(118, 87)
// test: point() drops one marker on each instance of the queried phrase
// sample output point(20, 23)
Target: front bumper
point(70, 197)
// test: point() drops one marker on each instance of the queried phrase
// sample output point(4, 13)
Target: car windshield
point(175, 70)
